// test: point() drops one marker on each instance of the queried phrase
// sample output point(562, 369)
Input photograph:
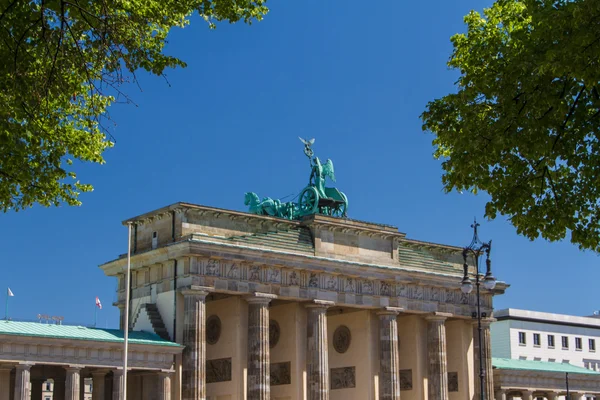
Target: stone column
point(98, 387)
point(526, 395)
point(552, 396)
point(193, 378)
point(258, 346)
point(23, 382)
point(5, 382)
point(164, 386)
point(500, 394)
point(389, 372)
point(317, 356)
point(488, 378)
point(437, 368)
point(72, 383)
point(118, 385)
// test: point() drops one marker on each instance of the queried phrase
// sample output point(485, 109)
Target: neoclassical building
point(318, 307)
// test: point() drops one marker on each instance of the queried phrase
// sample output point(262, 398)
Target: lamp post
point(476, 249)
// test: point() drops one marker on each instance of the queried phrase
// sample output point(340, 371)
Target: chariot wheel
point(309, 201)
point(342, 209)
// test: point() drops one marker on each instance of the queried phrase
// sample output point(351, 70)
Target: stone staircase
point(155, 319)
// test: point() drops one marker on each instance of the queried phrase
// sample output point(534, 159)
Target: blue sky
point(355, 76)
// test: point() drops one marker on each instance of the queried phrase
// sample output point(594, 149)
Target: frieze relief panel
point(236, 270)
point(280, 373)
point(343, 378)
point(218, 370)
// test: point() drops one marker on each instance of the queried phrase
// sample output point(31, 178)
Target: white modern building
point(540, 355)
point(539, 336)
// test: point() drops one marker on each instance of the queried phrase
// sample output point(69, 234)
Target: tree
point(62, 64)
point(524, 123)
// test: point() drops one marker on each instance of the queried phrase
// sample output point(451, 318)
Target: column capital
point(438, 316)
point(260, 298)
point(390, 311)
point(320, 304)
point(24, 366)
point(6, 367)
point(118, 371)
point(73, 368)
point(194, 290)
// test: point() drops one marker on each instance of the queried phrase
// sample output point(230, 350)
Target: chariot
point(334, 203)
point(315, 198)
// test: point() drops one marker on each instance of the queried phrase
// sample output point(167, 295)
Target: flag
point(98, 304)
point(10, 293)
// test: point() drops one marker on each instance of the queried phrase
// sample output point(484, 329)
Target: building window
point(565, 342)
point(578, 344)
point(592, 344)
point(551, 360)
point(48, 387)
point(537, 359)
point(566, 362)
point(522, 358)
point(536, 339)
point(551, 341)
point(522, 338)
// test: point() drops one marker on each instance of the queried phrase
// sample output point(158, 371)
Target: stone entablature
point(536, 381)
point(88, 353)
point(362, 288)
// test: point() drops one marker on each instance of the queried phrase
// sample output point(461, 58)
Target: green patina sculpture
point(313, 199)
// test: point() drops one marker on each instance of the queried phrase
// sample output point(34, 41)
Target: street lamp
point(476, 249)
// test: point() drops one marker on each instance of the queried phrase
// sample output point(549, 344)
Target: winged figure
point(328, 170)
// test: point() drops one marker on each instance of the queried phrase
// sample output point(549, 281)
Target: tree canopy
point(62, 64)
point(524, 123)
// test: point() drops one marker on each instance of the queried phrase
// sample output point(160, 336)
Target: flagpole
point(6, 309)
point(126, 323)
point(95, 314)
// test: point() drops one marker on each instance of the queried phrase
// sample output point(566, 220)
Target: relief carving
point(233, 271)
point(464, 298)
point(218, 370)
point(281, 373)
point(254, 273)
point(435, 294)
point(350, 285)
point(274, 333)
point(417, 292)
point(402, 290)
point(343, 378)
point(341, 339)
point(453, 381)
point(406, 379)
point(213, 329)
point(367, 287)
point(385, 289)
point(332, 282)
point(274, 275)
point(213, 268)
point(293, 279)
point(313, 281)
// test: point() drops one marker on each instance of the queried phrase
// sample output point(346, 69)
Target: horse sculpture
point(268, 206)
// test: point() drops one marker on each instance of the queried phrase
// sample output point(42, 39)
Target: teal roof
point(38, 329)
point(543, 366)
